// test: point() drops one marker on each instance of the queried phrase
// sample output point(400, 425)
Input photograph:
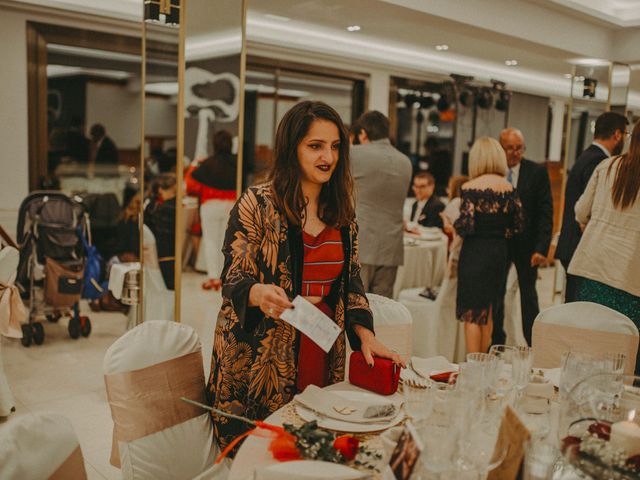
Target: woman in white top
point(608, 256)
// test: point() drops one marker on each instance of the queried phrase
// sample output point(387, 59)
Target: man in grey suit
point(382, 176)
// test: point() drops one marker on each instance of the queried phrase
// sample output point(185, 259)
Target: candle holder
point(600, 427)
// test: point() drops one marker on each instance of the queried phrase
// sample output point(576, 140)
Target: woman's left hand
point(370, 347)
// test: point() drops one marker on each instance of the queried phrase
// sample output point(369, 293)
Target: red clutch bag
point(383, 378)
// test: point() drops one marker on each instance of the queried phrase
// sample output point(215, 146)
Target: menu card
point(312, 322)
point(512, 437)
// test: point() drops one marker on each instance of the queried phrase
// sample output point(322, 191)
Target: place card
point(512, 437)
point(405, 455)
point(312, 322)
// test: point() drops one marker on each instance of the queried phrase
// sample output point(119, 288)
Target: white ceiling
point(621, 13)
point(544, 36)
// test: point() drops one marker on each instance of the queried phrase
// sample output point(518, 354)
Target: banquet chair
point(40, 446)
point(392, 323)
point(9, 258)
point(156, 435)
point(158, 300)
point(435, 328)
point(582, 326)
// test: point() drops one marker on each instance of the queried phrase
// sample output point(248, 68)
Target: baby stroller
point(51, 227)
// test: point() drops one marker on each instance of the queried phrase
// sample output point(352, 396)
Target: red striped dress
point(323, 263)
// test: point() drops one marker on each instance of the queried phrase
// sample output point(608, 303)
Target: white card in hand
point(312, 322)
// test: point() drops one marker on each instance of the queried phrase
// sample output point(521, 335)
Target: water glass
point(521, 363)
point(489, 367)
point(576, 366)
point(539, 460)
point(418, 402)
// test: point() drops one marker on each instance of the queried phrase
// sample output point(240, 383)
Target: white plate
point(308, 469)
point(340, 426)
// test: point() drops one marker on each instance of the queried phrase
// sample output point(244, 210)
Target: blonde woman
point(490, 213)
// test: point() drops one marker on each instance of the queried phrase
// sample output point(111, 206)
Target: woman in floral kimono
point(295, 235)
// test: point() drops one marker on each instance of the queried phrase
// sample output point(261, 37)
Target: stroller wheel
point(54, 317)
point(74, 328)
point(26, 334)
point(85, 326)
point(38, 333)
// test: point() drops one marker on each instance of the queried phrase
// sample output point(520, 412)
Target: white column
point(379, 92)
point(557, 125)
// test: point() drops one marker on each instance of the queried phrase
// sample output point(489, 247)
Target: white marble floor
point(65, 375)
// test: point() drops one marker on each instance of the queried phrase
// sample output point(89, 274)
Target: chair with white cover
point(40, 446)
point(392, 323)
point(582, 326)
point(435, 328)
point(158, 300)
point(156, 435)
point(12, 314)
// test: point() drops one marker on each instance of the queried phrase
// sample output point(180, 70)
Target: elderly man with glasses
point(527, 250)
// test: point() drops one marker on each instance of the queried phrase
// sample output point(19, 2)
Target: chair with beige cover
point(392, 323)
point(156, 435)
point(582, 326)
point(158, 300)
point(12, 315)
point(40, 446)
point(435, 328)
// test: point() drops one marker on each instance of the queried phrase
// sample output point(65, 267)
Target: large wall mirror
point(160, 159)
point(212, 161)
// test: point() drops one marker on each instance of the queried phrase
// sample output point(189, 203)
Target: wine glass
point(417, 401)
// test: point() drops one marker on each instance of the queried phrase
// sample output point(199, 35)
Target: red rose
point(283, 447)
point(600, 430)
point(347, 446)
point(568, 444)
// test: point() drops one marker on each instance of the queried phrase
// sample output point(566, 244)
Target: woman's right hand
point(271, 299)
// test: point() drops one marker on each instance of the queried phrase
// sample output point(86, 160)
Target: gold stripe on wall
point(180, 165)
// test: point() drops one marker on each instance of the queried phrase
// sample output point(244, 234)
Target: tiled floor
point(65, 375)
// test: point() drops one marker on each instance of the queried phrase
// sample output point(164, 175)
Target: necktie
point(510, 177)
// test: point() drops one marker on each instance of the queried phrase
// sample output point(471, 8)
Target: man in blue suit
point(608, 140)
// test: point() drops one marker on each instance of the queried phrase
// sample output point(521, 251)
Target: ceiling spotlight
point(354, 28)
point(427, 102)
point(502, 102)
point(466, 97)
point(484, 98)
point(511, 63)
point(567, 75)
point(442, 47)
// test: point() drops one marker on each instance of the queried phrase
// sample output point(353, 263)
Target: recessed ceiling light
point(277, 17)
point(511, 63)
point(579, 78)
point(354, 28)
point(567, 75)
point(589, 62)
point(442, 48)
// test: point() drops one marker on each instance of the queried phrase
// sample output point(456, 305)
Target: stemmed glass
point(418, 401)
point(576, 366)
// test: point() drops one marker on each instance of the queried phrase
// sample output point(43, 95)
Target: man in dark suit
point(426, 209)
point(103, 148)
point(608, 140)
point(527, 250)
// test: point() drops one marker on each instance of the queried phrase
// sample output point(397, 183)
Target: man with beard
point(608, 140)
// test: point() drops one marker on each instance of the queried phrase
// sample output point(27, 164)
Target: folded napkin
point(334, 406)
point(426, 367)
point(117, 275)
point(537, 395)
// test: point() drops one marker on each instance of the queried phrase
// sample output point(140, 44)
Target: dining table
point(425, 262)
point(254, 455)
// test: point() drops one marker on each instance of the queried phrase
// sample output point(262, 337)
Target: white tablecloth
point(424, 266)
point(254, 451)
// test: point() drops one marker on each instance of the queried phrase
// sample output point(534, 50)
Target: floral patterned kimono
point(254, 360)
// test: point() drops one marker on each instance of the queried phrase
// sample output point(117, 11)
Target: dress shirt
point(515, 174)
point(418, 212)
